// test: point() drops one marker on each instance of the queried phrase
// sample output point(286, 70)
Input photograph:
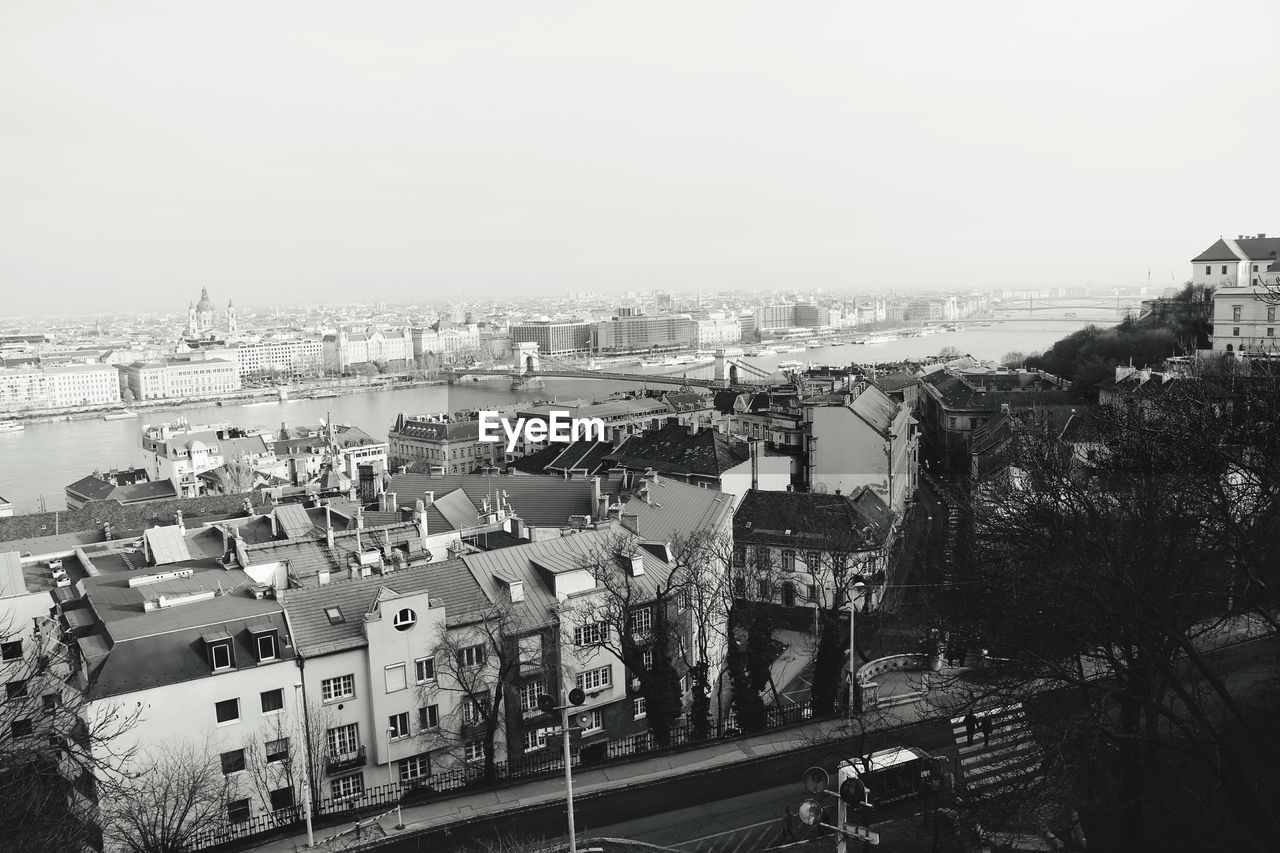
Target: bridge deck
point(653, 379)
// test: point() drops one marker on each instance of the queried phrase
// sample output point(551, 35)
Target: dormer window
point(266, 646)
point(220, 656)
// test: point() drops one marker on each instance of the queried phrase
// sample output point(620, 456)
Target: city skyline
point(425, 151)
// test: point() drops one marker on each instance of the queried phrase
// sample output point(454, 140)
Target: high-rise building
point(554, 337)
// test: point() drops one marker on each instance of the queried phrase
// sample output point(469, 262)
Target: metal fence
point(471, 777)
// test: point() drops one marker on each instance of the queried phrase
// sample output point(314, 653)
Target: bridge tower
point(528, 364)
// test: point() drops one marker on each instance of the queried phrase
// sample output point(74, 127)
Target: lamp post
point(306, 764)
point(391, 779)
point(546, 704)
point(853, 644)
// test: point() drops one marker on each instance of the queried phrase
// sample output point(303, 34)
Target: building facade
point(63, 386)
point(293, 357)
point(451, 445)
point(569, 337)
point(180, 378)
point(344, 348)
point(644, 332)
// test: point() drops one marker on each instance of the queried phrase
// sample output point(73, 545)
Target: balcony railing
point(344, 761)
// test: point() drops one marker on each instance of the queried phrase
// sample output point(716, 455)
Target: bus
point(887, 776)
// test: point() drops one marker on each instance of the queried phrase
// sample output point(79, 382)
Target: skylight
point(335, 615)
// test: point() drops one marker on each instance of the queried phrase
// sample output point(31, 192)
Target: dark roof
point(1260, 248)
point(724, 400)
point(810, 520)
point(435, 430)
point(155, 490)
point(677, 450)
point(315, 634)
point(1219, 251)
point(91, 488)
point(581, 456)
point(896, 381)
point(537, 461)
point(539, 501)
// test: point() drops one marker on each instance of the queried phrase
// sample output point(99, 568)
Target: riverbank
point(313, 390)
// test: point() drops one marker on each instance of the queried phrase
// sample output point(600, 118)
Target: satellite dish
point(577, 696)
point(816, 780)
point(810, 813)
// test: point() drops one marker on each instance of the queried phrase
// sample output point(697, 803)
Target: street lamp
point(391, 778)
point(306, 763)
point(548, 705)
point(853, 645)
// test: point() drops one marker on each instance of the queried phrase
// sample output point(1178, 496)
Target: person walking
point(986, 730)
point(970, 726)
point(788, 826)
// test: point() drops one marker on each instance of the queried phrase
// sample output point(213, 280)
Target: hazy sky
point(313, 151)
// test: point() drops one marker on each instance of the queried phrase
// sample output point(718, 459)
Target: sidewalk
point(585, 782)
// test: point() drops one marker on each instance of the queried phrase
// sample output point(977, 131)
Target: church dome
point(205, 303)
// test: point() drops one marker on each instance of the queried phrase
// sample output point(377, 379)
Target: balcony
point(344, 761)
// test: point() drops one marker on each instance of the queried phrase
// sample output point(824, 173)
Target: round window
point(404, 620)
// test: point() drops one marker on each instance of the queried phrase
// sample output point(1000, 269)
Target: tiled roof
point(91, 488)
point(315, 634)
point(1219, 251)
point(434, 430)
point(896, 381)
point(537, 461)
point(876, 409)
point(155, 490)
point(807, 519)
point(539, 501)
point(675, 511)
point(674, 449)
point(1259, 248)
point(581, 456)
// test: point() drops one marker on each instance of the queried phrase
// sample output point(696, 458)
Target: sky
point(303, 152)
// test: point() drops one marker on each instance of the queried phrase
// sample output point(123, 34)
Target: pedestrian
point(788, 826)
point(986, 729)
point(970, 726)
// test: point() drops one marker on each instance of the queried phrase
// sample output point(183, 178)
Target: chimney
point(637, 564)
point(430, 498)
point(599, 503)
point(322, 577)
point(630, 521)
point(106, 531)
point(753, 448)
point(359, 518)
point(420, 518)
point(693, 426)
point(178, 521)
point(328, 526)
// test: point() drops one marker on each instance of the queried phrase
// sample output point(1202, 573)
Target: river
point(39, 461)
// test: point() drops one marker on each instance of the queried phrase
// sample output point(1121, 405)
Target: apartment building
point(346, 348)
point(645, 332)
point(61, 386)
point(554, 338)
point(442, 442)
point(180, 378)
point(298, 357)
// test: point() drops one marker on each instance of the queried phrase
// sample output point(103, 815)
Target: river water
point(39, 461)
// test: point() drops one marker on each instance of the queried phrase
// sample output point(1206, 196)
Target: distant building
point(716, 333)
point(344, 349)
point(63, 386)
point(571, 337)
point(180, 377)
point(294, 357)
point(643, 332)
point(451, 445)
point(703, 457)
point(1241, 262)
point(202, 319)
point(448, 344)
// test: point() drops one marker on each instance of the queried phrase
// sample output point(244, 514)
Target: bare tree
point(175, 795)
point(479, 660)
point(57, 754)
point(635, 615)
point(701, 578)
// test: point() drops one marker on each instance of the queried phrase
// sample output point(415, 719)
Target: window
point(342, 687)
point(15, 689)
point(220, 657)
point(404, 620)
point(471, 657)
point(529, 694)
point(51, 701)
point(641, 620)
point(429, 717)
point(1255, 267)
point(272, 700)
point(951, 423)
point(21, 728)
point(344, 740)
point(474, 710)
point(530, 649)
point(594, 723)
point(238, 811)
point(398, 725)
point(335, 615)
point(740, 556)
point(763, 590)
point(593, 634)
point(11, 650)
point(394, 676)
point(414, 768)
point(347, 787)
point(788, 560)
point(265, 645)
point(424, 670)
point(646, 659)
point(1271, 331)
point(282, 798)
point(1271, 314)
point(638, 708)
point(473, 750)
point(1235, 313)
point(1236, 331)
point(227, 711)
point(233, 761)
point(593, 679)
point(277, 750)
point(535, 739)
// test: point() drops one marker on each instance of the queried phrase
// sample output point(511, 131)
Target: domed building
point(202, 317)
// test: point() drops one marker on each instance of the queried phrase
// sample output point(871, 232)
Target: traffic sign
point(863, 833)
